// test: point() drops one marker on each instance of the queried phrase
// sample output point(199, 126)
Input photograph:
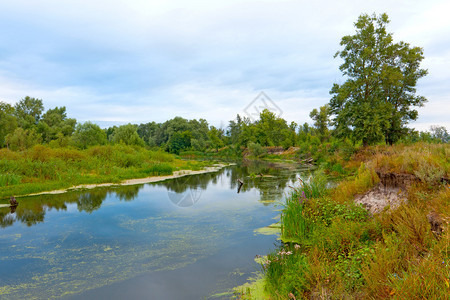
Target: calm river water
point(187, 238)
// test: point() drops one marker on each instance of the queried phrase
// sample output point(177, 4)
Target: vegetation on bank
point(42, 168)
point(333, 248)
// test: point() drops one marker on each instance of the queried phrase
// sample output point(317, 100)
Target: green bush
point(256, 149)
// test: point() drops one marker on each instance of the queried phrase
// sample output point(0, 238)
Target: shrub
point(429, 173)
point(256, 149)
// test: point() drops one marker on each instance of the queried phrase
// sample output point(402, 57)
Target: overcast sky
point(120, 61)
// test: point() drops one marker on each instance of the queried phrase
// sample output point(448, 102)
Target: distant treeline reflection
point(32, 210)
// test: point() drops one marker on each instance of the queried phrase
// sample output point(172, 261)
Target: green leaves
point(376, 101)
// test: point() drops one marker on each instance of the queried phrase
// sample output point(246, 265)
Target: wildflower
point(297, 246)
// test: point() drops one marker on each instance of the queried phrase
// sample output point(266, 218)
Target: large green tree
point(378, 97)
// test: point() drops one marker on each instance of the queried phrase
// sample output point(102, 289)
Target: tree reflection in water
point(31, 210)
point(183, 191)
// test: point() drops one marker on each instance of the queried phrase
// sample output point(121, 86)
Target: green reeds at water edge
point(42, 168)
point(9, 179)
point(294, 224)
point(332, 248)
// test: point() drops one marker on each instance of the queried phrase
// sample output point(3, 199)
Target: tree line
point(25, 124)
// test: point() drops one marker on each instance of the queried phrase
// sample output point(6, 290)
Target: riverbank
point(382, 232)
point(43, 169)
point(176, 174)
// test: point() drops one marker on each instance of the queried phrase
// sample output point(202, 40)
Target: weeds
point(43, 168)
point(9, 179)
point(336, 250)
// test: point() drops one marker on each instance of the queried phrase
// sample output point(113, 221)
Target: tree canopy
point(378, 97)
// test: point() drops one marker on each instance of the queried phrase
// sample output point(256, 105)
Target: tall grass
point(43, 168)
point(159, 169)
point(294, 224)
point(9, 179)
point(340, 251)
point(365, 179)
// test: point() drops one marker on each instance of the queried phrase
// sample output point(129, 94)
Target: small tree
point(321, 120)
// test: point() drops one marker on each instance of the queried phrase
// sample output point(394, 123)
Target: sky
point(135, 61)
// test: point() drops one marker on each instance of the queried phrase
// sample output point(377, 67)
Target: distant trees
point(26, 124)
point(440, 133)
point(377, 99)
point(127, 134)
point(54, 124)
point(8, 122)
point(216, 138)
point(22, 139)
point(88, 134)
point(179, 141)
point(28, 112)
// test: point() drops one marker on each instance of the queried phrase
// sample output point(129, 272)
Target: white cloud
point(139, 61)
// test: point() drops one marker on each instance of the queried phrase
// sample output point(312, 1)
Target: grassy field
point(43, 169)
point(335, 249)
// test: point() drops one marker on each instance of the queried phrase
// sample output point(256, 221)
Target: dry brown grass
point(365, 179)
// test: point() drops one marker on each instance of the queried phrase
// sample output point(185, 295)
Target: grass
point(9, 179)
point(333, 249)
point(43, 168)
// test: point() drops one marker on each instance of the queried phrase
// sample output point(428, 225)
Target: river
point(187, 238)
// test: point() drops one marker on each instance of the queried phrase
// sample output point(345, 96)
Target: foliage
point(9, 179)
point(285, 272)
point(42, 168)
point(88, 134)
point(179, 141)
point(440, 133)
point(335, 249)
point(8, 122)
point(28, 112)
point(376, 101)
point(22, 139)
point(256, 149)
point(216, 138)
point(127, 134)
point(321, 120)
point(55, 123)
point(417, 159)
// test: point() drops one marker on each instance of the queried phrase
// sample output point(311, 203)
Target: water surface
point(187, 238)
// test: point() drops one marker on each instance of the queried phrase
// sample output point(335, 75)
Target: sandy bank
point(175, 174)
